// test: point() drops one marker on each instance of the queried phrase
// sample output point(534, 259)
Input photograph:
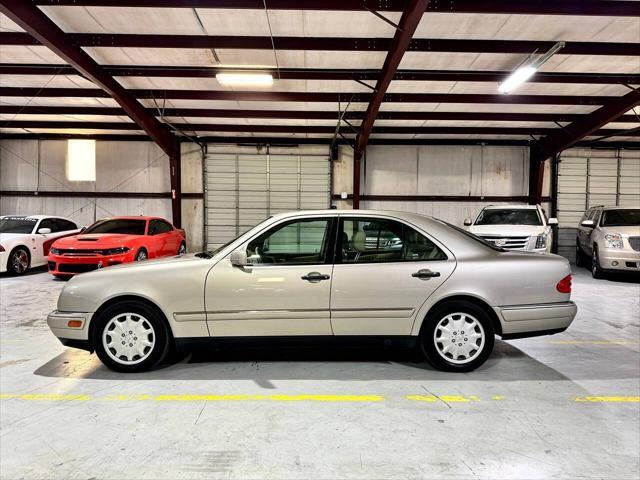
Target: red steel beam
point(585, 126)
point(36, 23)
point(531, 7)
point(118, 40)
point(325, 74)
point(272, 96)
point(304, 129)
point(406, 28)
point(306, 114)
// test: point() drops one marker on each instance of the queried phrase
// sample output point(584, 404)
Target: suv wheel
point(596, 270)
point(130, 337)
point(457, 336)
point(579, 255)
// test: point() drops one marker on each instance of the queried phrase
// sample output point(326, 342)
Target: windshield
point(509, 216)
point(211, 253)
point(123, 226)
point(17, 224)
point(621, 218)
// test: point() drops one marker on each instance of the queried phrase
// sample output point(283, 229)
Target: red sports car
point(112, 241)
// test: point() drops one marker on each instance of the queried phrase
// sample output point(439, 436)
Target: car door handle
point(315, 277)
point(425, 274)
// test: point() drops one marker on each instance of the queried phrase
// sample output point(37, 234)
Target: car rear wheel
point(141, 255)
point(457, 336)
point(182, 249)
point(130, 337)
point(596, 269)
point(19, 261)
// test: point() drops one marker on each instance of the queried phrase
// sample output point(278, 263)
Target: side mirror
point(467, 222)
point(553, 221)
point(44, 231)
point(588, 223)
point(238, 258)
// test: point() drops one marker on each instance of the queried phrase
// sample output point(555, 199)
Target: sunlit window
point(81, 160)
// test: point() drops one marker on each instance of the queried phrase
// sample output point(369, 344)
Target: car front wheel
point(19, 261)
point(130, 337)
point(596, 269)
point(141, 255)
point(457, 336)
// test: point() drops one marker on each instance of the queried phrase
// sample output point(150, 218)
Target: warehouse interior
point(392, 105)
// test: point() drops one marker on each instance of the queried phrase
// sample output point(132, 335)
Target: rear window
point(123, 226)
point(17, 224)
point(509, 216)
point(621, 218)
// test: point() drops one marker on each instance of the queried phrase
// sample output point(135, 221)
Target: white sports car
point(25, 240)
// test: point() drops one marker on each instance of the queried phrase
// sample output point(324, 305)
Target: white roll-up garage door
point(242, 189)
point(588, 178)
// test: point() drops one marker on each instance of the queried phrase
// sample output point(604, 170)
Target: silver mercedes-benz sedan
point(322, 274)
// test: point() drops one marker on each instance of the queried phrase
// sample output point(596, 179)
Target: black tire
point(579, 255)
point(596, 269)
point(19, 261)
point(161, 337)
point(141, 255)
point(182, 249)
point(430, 347)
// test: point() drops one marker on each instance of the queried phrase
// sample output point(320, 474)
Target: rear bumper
point(4, 257)
point(63, 265)
point(533, 320)
point(59, 324)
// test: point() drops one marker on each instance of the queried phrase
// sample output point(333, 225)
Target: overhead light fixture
point(245, 79)
point(528, 68)
point(81, 160)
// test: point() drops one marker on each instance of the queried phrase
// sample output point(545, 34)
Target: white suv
point(514, 227)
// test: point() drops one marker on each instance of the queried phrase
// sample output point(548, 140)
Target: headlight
point(115, 251)
point(614, 240)
point(541, 241)
point(55, 251)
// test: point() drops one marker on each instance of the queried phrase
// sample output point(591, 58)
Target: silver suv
point(609, 239)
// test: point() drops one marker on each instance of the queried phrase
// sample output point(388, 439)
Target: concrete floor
point(564, 406)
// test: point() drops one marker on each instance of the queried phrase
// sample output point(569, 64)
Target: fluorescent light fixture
point(245, 79)
point(517, 78)
point(527, 69)
point(81, 161)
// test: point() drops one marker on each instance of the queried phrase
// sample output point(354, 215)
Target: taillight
point(564, 285)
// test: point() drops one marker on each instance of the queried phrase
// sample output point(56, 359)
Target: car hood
point(159, 263)
point(627, 231)
point(95, 241)
point(508, 230)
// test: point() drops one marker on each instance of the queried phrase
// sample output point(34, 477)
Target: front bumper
point(59, 324)
point(619, 259)
point(533, 320)
point(64, 265)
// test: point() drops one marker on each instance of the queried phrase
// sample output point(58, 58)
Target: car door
point(284, 290)
point(159, 243)
point(384, 272)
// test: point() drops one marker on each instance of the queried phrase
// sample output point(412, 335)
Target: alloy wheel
point(459, 338)
point(128, 338)
point(20, 261)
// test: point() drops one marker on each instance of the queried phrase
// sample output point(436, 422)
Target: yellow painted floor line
point(607, 399)
point(273, 398)
point(45, 396)
point(444, 398)
point(594, 342)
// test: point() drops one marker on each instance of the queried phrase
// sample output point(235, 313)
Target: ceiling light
point(525, 71)
point(81, 160)
point(245, 79)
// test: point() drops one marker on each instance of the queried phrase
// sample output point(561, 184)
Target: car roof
point(515, 207)
point(36, 217)
point(613, 207)
point(131, 217)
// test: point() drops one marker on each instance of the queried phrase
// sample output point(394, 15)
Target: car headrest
point(359, 241)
